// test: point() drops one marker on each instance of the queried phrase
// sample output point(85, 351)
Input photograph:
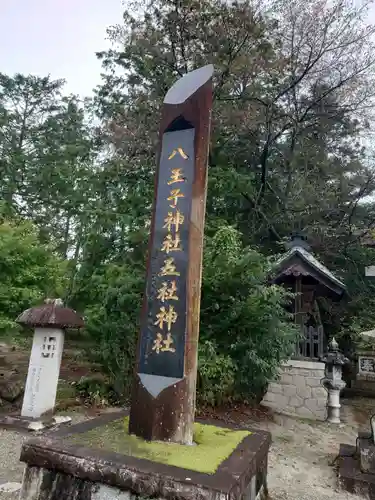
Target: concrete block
point(275, 388)
point(281, 400)
point(319, 393)
point(315, 405)
point(321, 415)
point(270, 397)
point(313, 381)
point(296, 402)
point(299, 381)
point(302, 372)
point(289, 390)
point(304, 392)
point(304, 412)
point(286, 379)
point(304, 364)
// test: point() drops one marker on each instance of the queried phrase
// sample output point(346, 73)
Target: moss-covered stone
point(212, 445)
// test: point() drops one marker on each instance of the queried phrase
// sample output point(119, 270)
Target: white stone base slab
point(299, 391)
point(32, 425)
point(10, 487)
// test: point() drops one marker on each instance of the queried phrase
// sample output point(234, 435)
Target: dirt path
point(299, 460)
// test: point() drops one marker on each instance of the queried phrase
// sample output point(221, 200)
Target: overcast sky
point(58, 37)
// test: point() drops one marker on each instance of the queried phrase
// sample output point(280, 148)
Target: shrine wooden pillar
point(163, 397)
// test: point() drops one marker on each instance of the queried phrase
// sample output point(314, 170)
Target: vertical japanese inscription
point(163, 326)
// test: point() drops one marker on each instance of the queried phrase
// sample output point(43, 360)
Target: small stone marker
point(163, 400)
point(49, 322)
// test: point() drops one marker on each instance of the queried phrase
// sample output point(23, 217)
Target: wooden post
point(163, 397)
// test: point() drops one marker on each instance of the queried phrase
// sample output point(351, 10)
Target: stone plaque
point(366, 365)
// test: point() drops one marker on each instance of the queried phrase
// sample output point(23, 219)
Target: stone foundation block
point(298, 390)
point(351, 477)
point(288, 390)
point(56, 469)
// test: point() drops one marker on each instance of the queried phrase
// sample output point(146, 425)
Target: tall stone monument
point(163, 401)
point(147, 454)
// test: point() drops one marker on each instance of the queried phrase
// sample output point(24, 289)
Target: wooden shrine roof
point(300, 262)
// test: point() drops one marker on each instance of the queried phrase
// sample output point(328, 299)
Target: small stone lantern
point(49, 322)
point(333, 383)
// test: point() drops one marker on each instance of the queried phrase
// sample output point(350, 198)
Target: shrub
point(216, 376)
point(243, 314)
point(245, 330)
point(113, 322)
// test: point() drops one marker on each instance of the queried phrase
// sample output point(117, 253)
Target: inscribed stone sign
point(43, 373)
point(366, 365)
point(163, 328)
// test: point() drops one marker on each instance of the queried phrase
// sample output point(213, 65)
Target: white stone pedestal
point(43, 374)
point(333, 406)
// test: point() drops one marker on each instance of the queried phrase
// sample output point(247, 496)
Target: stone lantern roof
point(51, 314)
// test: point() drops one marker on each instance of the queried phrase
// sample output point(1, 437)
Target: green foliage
point(245, 331)
point(216, 376)
point(29, 271)
point(291, 107)
point(113, 319)
point(242, 314)
point(354, 314)
point(96, 391)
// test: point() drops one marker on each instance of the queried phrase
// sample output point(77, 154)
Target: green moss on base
point(212, 445)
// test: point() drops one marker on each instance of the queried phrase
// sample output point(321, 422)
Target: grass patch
point(65, 390)
point(212, 445)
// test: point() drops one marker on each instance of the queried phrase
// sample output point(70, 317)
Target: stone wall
point(298, 392)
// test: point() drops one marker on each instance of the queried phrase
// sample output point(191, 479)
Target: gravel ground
point(299, 460)
point(11, 469)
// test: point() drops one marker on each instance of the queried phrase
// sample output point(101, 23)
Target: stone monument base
point(60, 467)
point(357, 467)
point(27, 424)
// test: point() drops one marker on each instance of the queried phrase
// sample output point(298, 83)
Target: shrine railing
point(311, 344)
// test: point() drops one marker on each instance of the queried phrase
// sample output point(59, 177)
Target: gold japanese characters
point(167, 293)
